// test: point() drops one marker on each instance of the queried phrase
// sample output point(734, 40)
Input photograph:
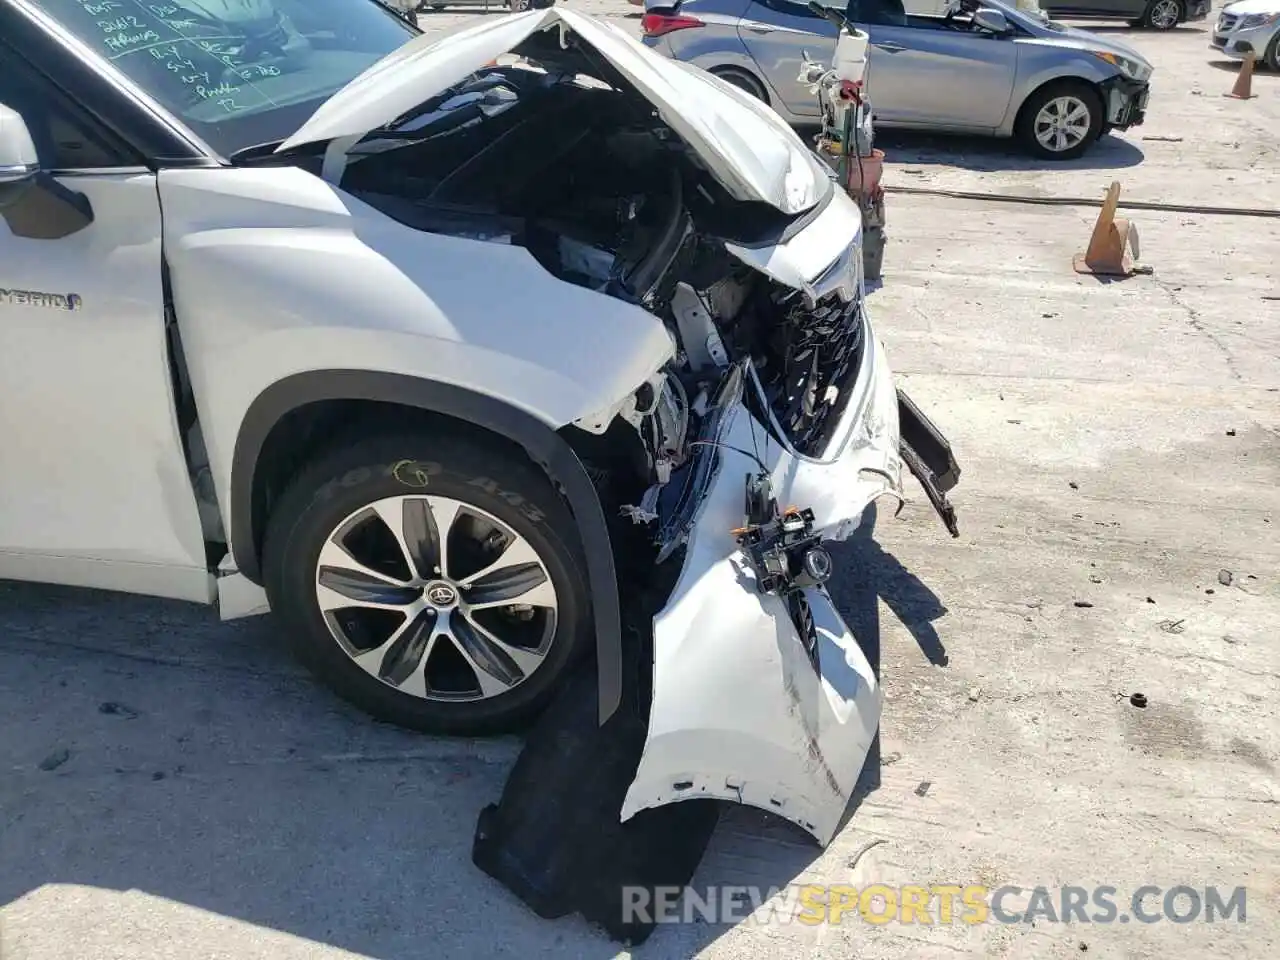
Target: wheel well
point(313, 429)
point(303, 414)
point(1057, 81)
point(761, 89)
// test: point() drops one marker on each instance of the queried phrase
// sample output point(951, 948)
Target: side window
point(66, 137)
point(887, 13)
point(800, 8)
point(884, 13)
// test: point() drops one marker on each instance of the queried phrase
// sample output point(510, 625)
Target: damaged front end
point(769, 431)
point(769, 434)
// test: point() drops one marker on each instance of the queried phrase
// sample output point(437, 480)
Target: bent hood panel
point(751, 151)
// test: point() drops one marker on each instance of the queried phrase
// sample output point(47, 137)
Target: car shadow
point(906, 148)
point(1233, 66)
point(1113, 27)
point(158, 764)
point(161, 766)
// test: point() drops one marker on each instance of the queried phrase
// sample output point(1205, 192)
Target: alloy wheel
point(1164, 14)
point(436, 598)
point(1062, 123)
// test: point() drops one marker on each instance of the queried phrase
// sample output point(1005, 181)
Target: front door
point(777, 33)
point(935, 74)
point(93, 481)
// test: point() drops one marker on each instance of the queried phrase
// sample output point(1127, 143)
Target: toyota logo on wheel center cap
point(442, 595)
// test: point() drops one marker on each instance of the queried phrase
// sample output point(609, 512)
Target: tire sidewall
point(344, 482)
point(744, 82)
point(1036, 102)
point(1271, 56)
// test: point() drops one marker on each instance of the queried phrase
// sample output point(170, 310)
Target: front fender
point(287, 290)
point(275, 272)
point(1042, 62)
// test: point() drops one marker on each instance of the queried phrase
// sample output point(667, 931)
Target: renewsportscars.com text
point(878, 903)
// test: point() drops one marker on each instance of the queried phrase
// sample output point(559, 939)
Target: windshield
point(1026, 10)
point(238, 72)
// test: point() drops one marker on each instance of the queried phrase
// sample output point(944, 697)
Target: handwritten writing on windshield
point(208, 68)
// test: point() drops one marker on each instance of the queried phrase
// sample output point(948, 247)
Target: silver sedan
point(983, 68)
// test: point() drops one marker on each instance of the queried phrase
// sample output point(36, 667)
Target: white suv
point(460, 356)
point(1249, 26)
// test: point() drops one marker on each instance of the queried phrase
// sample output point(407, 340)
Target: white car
point(405, 8)
point(409, 9)
point(459, 355)
point(1249, 26)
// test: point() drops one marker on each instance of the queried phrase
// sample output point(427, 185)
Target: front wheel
point(1162, 14)
point(1061, 120)
point(432, 581)
point(1271, 56)
point(743, 81)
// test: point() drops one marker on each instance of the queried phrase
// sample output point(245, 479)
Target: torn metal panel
point(739, 711)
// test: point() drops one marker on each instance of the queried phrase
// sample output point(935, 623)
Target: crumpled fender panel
point(739, 711)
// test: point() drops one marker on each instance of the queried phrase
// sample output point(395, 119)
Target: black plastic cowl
point(555, 839)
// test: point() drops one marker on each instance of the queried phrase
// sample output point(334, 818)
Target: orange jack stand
point(1113, 239)
point(1243, 88)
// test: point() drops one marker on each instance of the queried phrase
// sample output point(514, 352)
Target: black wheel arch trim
point(545, 447)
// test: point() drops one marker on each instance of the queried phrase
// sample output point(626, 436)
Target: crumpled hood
point(743, 144)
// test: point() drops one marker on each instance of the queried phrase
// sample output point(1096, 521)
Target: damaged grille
point(809, 368)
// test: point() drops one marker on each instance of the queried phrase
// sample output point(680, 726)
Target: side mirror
point(18, 161)
point(990, 21)
point(32, 203)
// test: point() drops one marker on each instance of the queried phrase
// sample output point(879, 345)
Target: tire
point(1163, 14)
point(505, 508)
point(1065, 91)
point(519, 6)
point(743, 81)
point(1271, 56)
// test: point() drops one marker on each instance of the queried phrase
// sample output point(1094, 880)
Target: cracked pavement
point(171, 786)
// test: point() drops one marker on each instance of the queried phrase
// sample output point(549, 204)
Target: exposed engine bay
point(604, 195)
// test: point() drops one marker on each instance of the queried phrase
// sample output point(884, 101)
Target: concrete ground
point(173, 787)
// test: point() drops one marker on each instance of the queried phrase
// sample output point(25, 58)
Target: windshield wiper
point(257, 151)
